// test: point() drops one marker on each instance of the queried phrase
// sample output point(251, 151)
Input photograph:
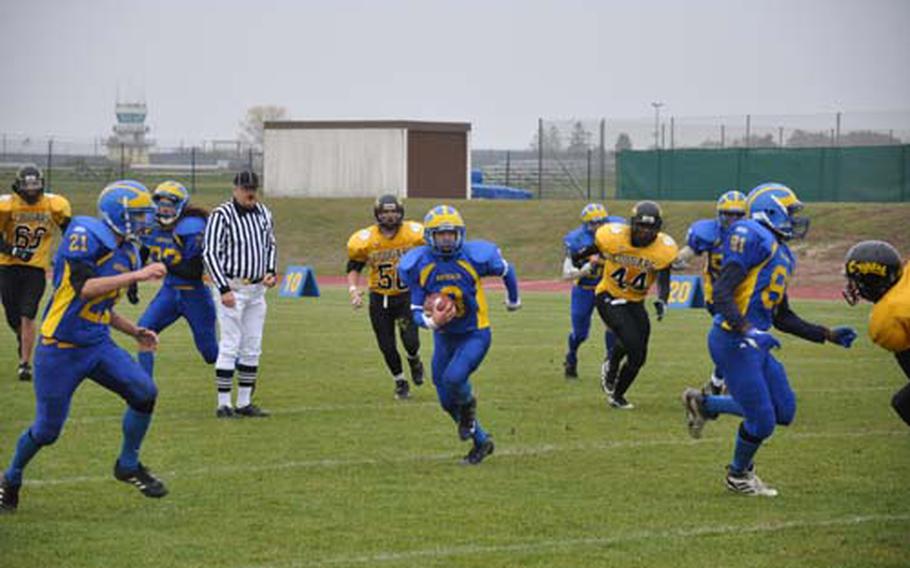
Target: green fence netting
point(868, 173)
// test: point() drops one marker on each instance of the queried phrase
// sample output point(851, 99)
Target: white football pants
point(241, 326)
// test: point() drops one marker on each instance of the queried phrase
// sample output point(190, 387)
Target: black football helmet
point(646, 222)
point(871, 268)
point(29, 183)
point(388, 211)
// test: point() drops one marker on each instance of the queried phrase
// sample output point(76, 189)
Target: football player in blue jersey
point(97, 258)
point(706, 236)
point(176, 240)
point(452, 266)
point(750, 295)
point(584, 266)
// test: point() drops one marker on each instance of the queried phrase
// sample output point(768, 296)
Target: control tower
point(129, 143)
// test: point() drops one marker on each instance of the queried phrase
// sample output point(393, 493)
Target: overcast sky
point(497, 64)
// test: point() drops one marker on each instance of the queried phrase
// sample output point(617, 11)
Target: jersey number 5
point(388, 277)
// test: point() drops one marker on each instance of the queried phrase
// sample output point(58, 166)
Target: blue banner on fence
point(686, 292)
point(299, 281)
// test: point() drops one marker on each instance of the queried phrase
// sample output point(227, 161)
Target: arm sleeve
point(786, 320)
point(731, 275)
point(903, 359)
point(80, 272)
point(191, 268)
point(663, 285)
point(571, 272)
point(354, 265)
point(581, 256)
point(214, 231)
point(510, 280)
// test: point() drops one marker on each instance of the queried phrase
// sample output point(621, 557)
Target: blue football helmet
point(593, 216)
point(126, 209)
point(169, 199)
point(731, 207)
point(444, 218)
point(776, 206)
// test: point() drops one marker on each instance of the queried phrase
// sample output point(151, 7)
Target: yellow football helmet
point(593, 215)
point(444, 218)
point(731, 207)
point(170, 198)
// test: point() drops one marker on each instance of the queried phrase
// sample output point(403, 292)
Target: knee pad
point(786, 415)
point(144, 399)
point(210, 353)
point(762, 427)
point(45, 434)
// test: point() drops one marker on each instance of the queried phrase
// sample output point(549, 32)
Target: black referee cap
point(246, 178)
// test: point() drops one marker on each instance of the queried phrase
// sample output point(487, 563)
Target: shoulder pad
point(480, 251)
point(6, 201)
point(190, 226)
point(97, 229)
point(413, 258)
point(414, 227)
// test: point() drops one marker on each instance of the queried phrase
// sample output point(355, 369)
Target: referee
point(240, 258)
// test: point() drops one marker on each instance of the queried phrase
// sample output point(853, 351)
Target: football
point(436, 301)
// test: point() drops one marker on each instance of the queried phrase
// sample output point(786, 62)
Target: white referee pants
point(241, 326)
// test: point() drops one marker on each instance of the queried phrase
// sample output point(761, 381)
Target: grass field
point(343, 475)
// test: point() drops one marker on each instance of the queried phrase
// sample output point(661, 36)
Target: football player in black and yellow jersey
point(29, 219)
point(635, 256)
point(380, 246)
point(875, 272)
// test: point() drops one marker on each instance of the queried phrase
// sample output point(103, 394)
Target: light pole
point(657, 106)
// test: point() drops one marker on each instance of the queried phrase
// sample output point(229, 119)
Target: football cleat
point(416, 370)
point(224, 412)
point(479, 452)
point(747, 483)
point(693, 401)
point(142, 478)
point(9, 496)
point(402, 389)
point(251, 411)
point(467, 419)
point(571, 369)
point(24, 372)
point(619, 401)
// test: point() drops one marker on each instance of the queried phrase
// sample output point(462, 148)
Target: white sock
point(716, 381)
point(224, 399)
point(244, 396)
point(399, 377)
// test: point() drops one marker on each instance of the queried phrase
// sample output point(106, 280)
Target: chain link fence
point(98, 161)
point(577, 157)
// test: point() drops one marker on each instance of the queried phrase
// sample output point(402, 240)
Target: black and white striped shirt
point(239, 243)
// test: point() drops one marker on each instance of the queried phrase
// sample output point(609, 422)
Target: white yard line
point(595, 541)
point(515, 451)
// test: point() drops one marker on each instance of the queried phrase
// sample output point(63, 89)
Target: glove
point(660, 308)
point(761, 340)
point(513, 307)
point(132, 293)
point(843, 336)
point(22, 254)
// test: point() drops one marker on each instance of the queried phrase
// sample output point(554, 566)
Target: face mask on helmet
point(389, 218)
point(727, 218)
point(643, 234)
point(166, 210)
point(872, 268)
point(799, 224)
point(29, 184)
